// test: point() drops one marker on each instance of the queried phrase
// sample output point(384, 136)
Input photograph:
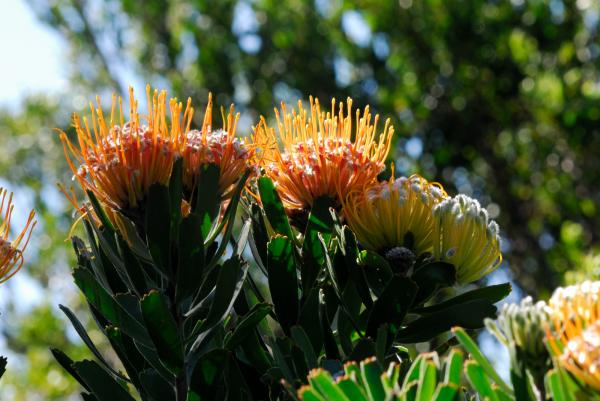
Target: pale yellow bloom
point(381, 216)
point(465, 237)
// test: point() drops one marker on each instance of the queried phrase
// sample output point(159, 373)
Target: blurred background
point(496, 99)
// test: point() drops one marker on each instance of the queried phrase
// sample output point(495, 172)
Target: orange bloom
point(11, 252)
point(324, 153)
point(574, 335)
point(119, 161)
point(220, 147)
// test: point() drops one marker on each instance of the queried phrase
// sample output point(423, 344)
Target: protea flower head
point(581, 357)
point(384, 214)
point(323, 153)
point(466, 237)
point(221, 147)
point(119, 161)
point(574, 333)
point(11, 252)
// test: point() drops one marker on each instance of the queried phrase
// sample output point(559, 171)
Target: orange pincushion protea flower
point(381, 216)
point(11, 252)
point(220, 147)
point(119, 161)
point(322, 154)
point(574, 335)
point(581, 356)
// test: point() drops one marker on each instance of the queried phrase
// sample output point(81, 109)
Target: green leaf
point(109, 308)
point(283, 281)
point(88, 342)
point(371, 377)
point(454, 365)
point(493, 293)
point(67, 364)
point(259, 237)
point(376, 269)
point(393, 304)
point(207, 374)
point(273, 207)
point(163, 330)
point(427, 381)
point(247, 325)
point(207, 199)
point(229, 283)
point(133, 268)
point(331, 349)
point(349, 249)
point(470, 315)
point(156, 386)
point(471, 347)
point(307, 320)
point(191, 257)
point(176, 196)
point(158, 227)
point(313, 254)
point(103, 387)
point(322, 381)
point(446, 392)
point(303, 342)
point(431, 277)
point(351, 389)
point(100, 211)
point(479, 381)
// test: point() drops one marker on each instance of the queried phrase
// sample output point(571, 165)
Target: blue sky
point(31, 55)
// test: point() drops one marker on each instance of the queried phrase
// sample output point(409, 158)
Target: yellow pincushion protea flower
point(574, 333)
point(11, 252)
point(325, 153)
point(220, 147)
point(466, 237)
point(381, 216)
point(120, 161)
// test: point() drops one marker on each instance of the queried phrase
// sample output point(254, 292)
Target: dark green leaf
point(88, 341)
point(109, 308)
point(103, 386)
point(163, 330)
point(158, 226)
point(331, 348)
point(431, 277)
point(229, 283)
point(493, 293)
point(393, 304)
point(207, 374)
point(67, 364)
point(469, 315)
point(273, 207)
point(191, 257)
point(313, 253)
point(176, 196)
point(283, 281)
point(376, 269)
point(247, 325)
point(207, 199)
point(156, 386)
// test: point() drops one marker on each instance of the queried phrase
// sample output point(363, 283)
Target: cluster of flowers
point(315, 153)
point(563, 332)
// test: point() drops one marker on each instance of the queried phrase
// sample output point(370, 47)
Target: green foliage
point(168, 333)
point(426, 379)
point(335, 303)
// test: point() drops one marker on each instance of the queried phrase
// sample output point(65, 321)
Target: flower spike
point(324, 153)
point(11, 252)
point(119, 161)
